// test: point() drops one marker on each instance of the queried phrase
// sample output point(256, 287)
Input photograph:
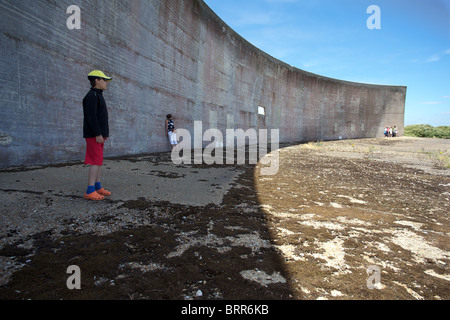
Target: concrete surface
point(140, 177)
point(334, 211)
point(165, 57)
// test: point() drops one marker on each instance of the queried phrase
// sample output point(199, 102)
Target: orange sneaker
point(94, 196)
point(104, 192)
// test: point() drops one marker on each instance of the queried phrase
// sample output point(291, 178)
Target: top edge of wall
point(210, 13)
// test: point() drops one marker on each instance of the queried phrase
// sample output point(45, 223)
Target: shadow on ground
point(333, 211)
point(140, 248)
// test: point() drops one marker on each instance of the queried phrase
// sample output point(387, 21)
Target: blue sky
point(331, 38)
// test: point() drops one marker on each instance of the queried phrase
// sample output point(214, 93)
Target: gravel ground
point(353, 219)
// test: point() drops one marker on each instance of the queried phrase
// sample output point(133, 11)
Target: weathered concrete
point(146, 177)
point(166, 57)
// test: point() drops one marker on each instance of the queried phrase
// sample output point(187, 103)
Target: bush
point(427, 131)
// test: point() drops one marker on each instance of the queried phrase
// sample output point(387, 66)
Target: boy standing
point(96, 132)
point(170, 126)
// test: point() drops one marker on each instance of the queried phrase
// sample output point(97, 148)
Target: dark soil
point(309, 232)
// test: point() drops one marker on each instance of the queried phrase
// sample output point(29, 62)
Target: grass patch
point(427, 131)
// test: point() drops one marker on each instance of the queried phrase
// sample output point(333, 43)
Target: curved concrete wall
point(172, 56)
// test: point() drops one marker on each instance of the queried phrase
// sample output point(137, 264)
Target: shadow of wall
point(169, 251)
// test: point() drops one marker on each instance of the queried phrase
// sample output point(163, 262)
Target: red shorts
point(94, 152)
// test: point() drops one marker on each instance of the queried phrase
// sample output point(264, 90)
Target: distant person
point(395, 132)
point(386, 131)
point(96, 132)
point(390, 131)
point(171, 131)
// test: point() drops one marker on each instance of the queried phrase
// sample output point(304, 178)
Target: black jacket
point(95, 115)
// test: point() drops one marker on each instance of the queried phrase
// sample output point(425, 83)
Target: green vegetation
point(441, 158)
point(427, 131)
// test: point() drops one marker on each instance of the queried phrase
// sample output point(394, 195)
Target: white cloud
point(434, 58)
point(246, 18)
point(438, 56)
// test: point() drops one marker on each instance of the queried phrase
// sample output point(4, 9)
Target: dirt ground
point(333, 212)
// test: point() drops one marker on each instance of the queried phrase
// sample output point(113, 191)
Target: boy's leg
point(95, 179)
point(173, 140)
point(94, 175)
point(91, 193)
point(94, 157)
